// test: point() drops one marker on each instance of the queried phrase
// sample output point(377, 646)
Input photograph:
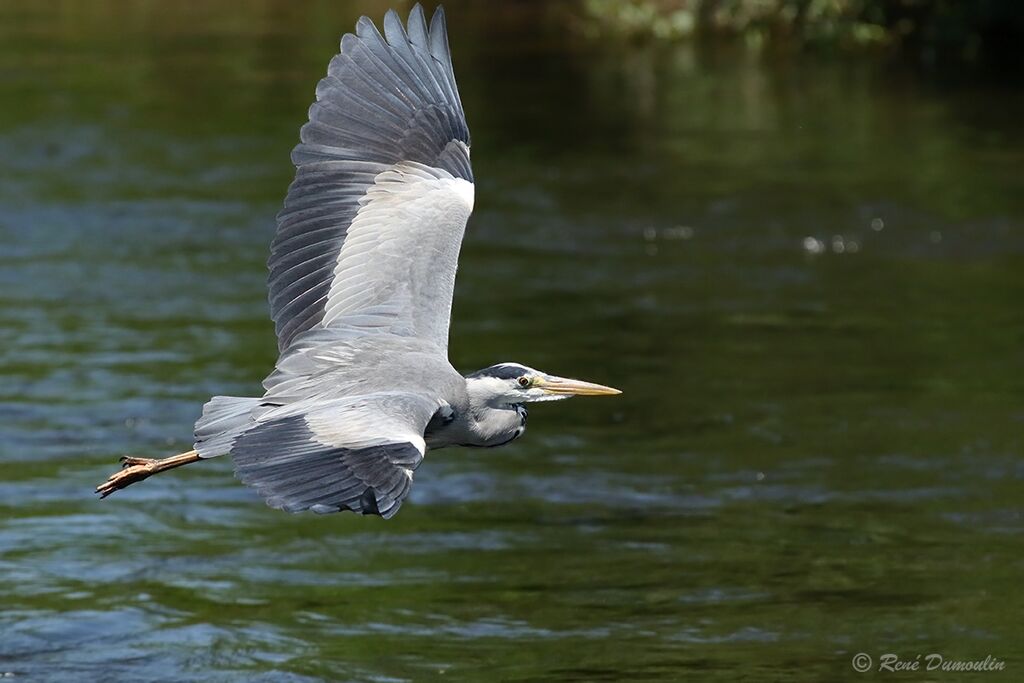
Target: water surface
point(805, 276)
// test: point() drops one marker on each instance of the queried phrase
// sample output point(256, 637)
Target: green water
point(804, 274)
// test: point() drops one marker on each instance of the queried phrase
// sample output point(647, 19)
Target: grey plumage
point(296, 462)
point(361, 275)
point(362, 270)
point(382, 103)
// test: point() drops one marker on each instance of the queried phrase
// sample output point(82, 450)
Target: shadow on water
point(805, 276)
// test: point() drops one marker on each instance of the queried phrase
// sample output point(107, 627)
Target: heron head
point(511, 383)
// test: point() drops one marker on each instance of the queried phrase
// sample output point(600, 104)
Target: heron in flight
point(362, 270)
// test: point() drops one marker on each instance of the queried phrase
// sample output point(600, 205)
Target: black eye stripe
point(501, 371)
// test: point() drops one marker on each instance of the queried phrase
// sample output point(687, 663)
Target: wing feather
point(418, 27)
point(356, 453)
point(386, 114)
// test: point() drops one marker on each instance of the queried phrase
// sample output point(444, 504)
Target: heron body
point(362, 272)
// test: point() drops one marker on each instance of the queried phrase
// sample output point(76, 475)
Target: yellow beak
point(572, 387)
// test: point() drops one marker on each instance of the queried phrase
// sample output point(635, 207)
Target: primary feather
point(382, 189)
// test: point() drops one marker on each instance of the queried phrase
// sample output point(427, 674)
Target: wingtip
point(365, 28)
point(419, 34)
point(438, 16)
point(439, 36)
point(365, 23)
point(394, 29)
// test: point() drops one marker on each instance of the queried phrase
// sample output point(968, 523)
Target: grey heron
point(362, 271)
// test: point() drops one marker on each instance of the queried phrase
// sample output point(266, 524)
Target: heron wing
point(370, 232)
point(357, 453)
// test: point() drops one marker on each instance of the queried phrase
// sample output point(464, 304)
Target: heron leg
point(137, 469)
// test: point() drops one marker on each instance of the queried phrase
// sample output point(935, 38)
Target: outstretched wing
point(357, 453)
point(370, 233)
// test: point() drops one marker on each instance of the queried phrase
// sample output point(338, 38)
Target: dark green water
point(806, 277)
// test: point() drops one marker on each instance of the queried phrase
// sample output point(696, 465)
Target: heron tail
point(224, 419)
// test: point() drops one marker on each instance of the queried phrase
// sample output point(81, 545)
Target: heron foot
point(132, 470)
point(136, 469)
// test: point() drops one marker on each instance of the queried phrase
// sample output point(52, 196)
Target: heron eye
point(524, 381)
